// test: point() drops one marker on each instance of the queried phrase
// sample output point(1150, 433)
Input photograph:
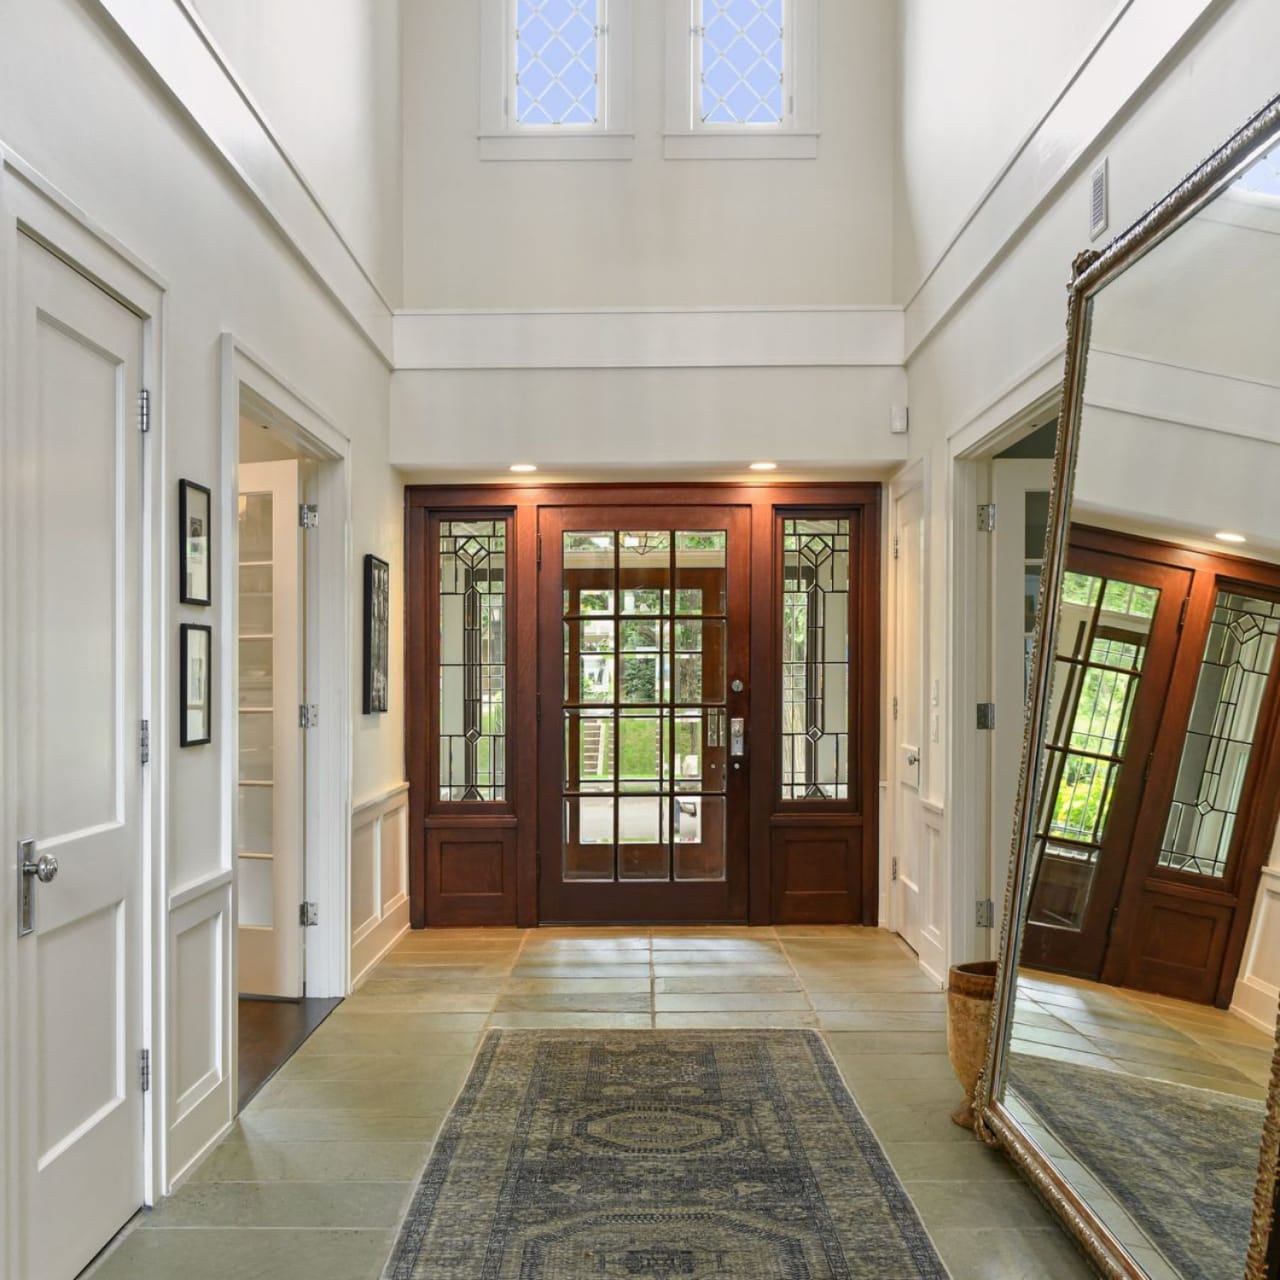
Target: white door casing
point(908, 721)
point(74, 455)
point(272, 760)
point(1013, 480)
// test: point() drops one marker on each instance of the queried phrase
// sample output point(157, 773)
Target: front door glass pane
point(473, 660)
point(645, 650)
point(1238, 658)
point(815, 659)
point(1103, 633)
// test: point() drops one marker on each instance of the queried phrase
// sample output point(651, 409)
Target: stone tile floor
point(312, 1180)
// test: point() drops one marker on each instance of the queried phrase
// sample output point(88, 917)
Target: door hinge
point(539, 551)
point(986, 715)
point(144, 741)
point(985, 913)
point(538, 715)
point(308, 715)
point(895, 706)
point(144, 411)
point(1146, 771)
point(893, 869)
point(144, 1069)
point(308, 515)
point(986, 517)
point(308, 914)
point(895, 546)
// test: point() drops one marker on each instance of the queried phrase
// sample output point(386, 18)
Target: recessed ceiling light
point(1230, 537)
point(523, 466)
point(764, 466)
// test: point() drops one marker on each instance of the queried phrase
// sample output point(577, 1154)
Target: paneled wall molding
point(379, 876)
point(172, 39)
point(1128, 53)
point(1258, 987)
point(649, 338)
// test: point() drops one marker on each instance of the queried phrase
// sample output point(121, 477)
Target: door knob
point(44, 868)
point(913, 758)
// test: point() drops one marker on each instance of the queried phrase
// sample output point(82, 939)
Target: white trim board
point(649, 338)
point(174, 42)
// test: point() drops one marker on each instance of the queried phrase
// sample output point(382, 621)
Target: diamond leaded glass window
point(473, 660)
point(1238, 658)
point(740, 61)
point(815, 659)
point(558, 62)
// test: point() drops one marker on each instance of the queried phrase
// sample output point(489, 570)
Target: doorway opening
point(276, 492)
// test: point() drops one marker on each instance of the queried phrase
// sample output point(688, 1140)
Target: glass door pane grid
point(638, 707)
point(1102, 640)
point(473, 667)
point(1238, 657)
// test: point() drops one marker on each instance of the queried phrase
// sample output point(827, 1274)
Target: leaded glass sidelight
point(1103, 633)
point(815, 659)
point(1238, 658)
point(557, 62)
point(473, 660)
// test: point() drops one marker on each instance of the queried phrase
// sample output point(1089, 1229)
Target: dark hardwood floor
point(270, 1033)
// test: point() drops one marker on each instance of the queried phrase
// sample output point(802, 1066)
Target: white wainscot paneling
point(1258, 986)
point(933, 950)
point(379, 877)
point(198, 1081)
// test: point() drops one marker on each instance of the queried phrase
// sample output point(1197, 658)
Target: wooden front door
point(643, 703)
point(643, 778)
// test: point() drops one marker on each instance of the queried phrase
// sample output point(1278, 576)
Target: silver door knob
point(913, 758)
point(44, 868)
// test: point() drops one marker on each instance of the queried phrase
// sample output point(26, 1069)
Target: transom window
point(558, 60)
point(740, 61)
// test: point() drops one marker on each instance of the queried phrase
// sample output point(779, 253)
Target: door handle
point(738, 736)
point(913, 759)
point(43, 868)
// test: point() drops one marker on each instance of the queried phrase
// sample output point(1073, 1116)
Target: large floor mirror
point(1134, 1029)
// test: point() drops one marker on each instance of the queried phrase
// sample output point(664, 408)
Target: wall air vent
point(1098, 201)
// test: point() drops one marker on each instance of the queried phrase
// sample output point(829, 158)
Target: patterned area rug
point(652, 1155)
point(1181, 1161)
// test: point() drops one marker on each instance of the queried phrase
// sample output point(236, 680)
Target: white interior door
point(74, 497)
point(270, 825)
point(1020, 488)
point(908, 726)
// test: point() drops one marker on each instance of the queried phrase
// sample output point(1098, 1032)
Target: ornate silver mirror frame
point(996, 1122)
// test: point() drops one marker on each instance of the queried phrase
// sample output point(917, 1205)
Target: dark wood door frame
point(508, 831)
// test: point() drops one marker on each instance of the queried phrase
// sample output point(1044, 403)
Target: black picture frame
point(377, 607)
point(195, 685)
point(195, 543)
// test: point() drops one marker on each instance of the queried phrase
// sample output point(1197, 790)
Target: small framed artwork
point(195, 667)
point(194, 513)
point(377, 608)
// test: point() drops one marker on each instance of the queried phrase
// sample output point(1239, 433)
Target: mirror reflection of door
point(270, 816)
point(1162, 693)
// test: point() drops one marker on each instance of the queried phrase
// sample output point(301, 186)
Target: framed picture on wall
point(195, 672)
point(194, 513)
point(377, 607)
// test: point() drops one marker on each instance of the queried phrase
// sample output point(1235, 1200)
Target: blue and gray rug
point(653, 1155)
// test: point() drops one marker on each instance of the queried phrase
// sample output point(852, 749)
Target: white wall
point(326, 75)
point(646, 231)
point(975, 79)
point(78, 104)
point(985, 334)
